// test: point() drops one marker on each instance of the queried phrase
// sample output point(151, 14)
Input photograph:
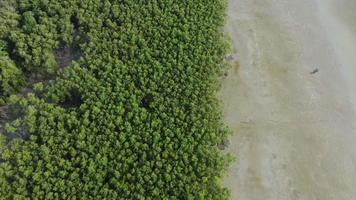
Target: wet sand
point(294, 132)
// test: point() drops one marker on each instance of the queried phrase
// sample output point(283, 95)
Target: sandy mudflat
point(294, 132)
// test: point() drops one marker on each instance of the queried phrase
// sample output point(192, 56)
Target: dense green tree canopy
point(135, 117)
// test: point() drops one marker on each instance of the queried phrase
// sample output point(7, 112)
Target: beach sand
point(294, 132)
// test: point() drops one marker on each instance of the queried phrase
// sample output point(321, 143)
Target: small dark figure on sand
point(224, 144)
point(315, 71)
point(229, 57)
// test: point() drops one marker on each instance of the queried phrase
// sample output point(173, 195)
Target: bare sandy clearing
point(295, 132)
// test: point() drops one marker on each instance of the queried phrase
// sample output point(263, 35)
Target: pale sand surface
point(294, 133)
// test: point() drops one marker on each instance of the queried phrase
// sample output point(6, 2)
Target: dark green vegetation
point(135, 117)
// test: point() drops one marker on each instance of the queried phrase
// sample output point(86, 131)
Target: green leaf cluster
point(11, 78)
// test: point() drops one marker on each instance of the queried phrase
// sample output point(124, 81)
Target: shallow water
point(294, 132)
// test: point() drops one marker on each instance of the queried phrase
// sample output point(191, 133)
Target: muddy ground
point(294, 130)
